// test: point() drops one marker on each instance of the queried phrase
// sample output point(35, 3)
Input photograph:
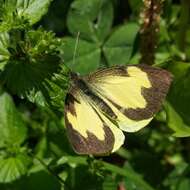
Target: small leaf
point(13, 168)
point(87, 56)
point(42, 147)
point(4, 53)
point(93, 19)
point(36, 97)
point(57, 89)
point(12, 127)
point(119, 47)
point(52, 94)
point(9, 18)
point(176, 123)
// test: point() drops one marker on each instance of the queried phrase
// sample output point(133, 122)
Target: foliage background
point(37, 41)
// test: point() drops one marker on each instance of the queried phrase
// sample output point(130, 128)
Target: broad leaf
point(87, 55)
point(33, 60)
point(33, 10)
point(12, 168)
point(18, 13)
point(29, 75)
point(176, 123)
point(93, 19)
point(177, 111)
point(39, 176)
point(42, 180)
point(178, 97)
point(12, 127)
point(119, 47)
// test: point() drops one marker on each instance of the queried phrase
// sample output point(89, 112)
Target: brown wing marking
point(160, 81)
point(90, 143)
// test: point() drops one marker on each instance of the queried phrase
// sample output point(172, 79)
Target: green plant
point(37, 45)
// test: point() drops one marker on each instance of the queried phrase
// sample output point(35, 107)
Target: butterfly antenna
point(75, 50)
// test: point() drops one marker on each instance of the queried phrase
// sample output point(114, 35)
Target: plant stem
point(149, 29)
point(46, 167)
point(112, 168)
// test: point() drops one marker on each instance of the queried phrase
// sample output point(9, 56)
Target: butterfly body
point(99, 106)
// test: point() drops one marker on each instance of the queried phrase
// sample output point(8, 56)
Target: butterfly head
point(74, 78)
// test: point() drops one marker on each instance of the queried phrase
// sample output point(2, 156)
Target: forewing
point(134, 93)
point(89, 131)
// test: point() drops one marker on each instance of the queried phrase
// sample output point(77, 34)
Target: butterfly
point(103, 104)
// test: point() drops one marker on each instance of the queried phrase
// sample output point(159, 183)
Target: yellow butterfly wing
point(134, 93)
point(89, 131)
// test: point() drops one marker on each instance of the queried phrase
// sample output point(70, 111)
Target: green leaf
point(130, 174)
point(119, 47)
point(29, 76)
point(4, 53)
point(179, 94)
point(176, 123)
point(33, 10)
point(12, 127)
point(87, 56)
point(109, 183)
point(136, 6)
point(41, 148)
point(36, 97)
point(178, 69)
point(52, 93)
point(34, 60)
point(42, 180)
point(93, 19)
point(13, 168)
point(128, 183)
point(58, 140)
point(177, 178)
point(37, 178)
point(184, 184)
point(57, 14)
point(9, 18)
point(57, 89)
point(18, 13)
